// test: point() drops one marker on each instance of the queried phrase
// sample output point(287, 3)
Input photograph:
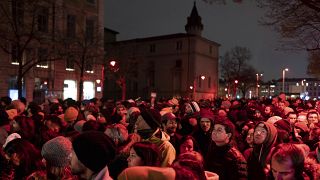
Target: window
point(17, 11)
point(70, 63)
point(152, 48)
point(71, 26)
point(179, 45)
point(89, 29)
point(14, 55)
point(42, 58)
point(43, 18)
point(91, 1)
point(89, 67)
point(178, 63)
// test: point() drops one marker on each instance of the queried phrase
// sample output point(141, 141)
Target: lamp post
point(235, 88)
point(257, 87)
point(195, 85)
point(283, 77)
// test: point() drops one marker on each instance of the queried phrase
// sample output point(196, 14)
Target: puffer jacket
point(227, 161)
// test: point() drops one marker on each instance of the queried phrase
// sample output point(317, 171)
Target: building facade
point(61, 30)
point(182, 64)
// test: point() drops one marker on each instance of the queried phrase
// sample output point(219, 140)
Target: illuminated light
point(42, 66)
point(236, 81)
point(203, 77)
point(191, 87)
point(112, 63)
point(297, 84)
point(98, 81)
point(99, 89)
point(91, 72)
point(14, 63)
point(69, 69)
point(272, 86)
point(225, 89)
point(45, 82)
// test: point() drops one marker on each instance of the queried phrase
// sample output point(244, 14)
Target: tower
point(194, 25)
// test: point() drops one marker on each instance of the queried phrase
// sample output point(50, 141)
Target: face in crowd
point(186, 146)
point(219, 135)
point(260, 134)
point(205, 124)
point(134, 159)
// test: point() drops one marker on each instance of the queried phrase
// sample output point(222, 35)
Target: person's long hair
point(29, 155)
point(148, 152)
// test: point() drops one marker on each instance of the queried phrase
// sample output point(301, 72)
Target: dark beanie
point(283, 125)
point(94, 150)
point(152, 118)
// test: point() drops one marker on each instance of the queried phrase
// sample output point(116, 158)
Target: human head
point(24, 156)
point(57, 152)
point(92, 151)
point(143, 154)
point(281, 105)
point(264, 132)
point(292, 117)
point(287, 162)
point(249, 138)
point(169, 123)
point(71, 114)
point(188, 144)
point(312, 117)
point(147, 123)
point(192, 107)
point(222, 132)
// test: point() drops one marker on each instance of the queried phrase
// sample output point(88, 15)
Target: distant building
point(59, 79)
point(170, 65)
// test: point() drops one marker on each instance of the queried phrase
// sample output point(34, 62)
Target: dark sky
point(230, 25)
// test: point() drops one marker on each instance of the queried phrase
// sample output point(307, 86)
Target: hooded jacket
point(259, 159)
point(166, 149)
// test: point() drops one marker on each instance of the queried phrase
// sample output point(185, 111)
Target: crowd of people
point(177, 138)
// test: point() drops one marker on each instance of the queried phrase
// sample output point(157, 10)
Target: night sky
point(229, 25)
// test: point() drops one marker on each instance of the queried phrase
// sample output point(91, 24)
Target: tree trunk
point(80, 87)
point(19, 82)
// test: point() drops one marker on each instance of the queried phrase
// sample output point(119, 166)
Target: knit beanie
point(94, 149)
point(18, 105)
point(283, 125)
point(57, 151)
point(194, 106)
point(71, 114)
point(152, 118)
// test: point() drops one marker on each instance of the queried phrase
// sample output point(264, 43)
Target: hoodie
point(166, 149)
point(259, 159)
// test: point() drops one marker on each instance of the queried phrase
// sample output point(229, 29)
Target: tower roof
point(194, 24)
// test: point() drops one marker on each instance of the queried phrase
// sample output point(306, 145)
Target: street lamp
point(195, 84)
point(257, 87)
point(235, 88)
point(283, 77)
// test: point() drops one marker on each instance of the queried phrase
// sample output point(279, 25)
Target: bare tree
point(235, 66)
point(84, 48)
point(24, 34)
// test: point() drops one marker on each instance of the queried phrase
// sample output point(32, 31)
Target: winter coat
point(227, 161)
point(259, 159)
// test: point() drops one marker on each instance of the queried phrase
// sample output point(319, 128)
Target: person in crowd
point(148, 127)
point(92, 152)
point(56, 109)
point(143, 154)
point(203, 134)
point(24, 157)
point(190, 118)
point(292, 118)
point(249, 142)
point(288, 163)
point(313, 119)
point(264, 138)
point(188, 144)
point(5, 101)
point(57, 155)
point(223, 157)
point(132, 116)
point(172, 106)
point(69, 118)
point(268, 111)
point(170, 123)
point(118, 133)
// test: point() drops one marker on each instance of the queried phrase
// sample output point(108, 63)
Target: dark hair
point(93, 125)
point(30, 157)
point(189, 166)
point(291, 113)
point(148, 152)
point(195, 143)
point(287, 151)
point(228, 126)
